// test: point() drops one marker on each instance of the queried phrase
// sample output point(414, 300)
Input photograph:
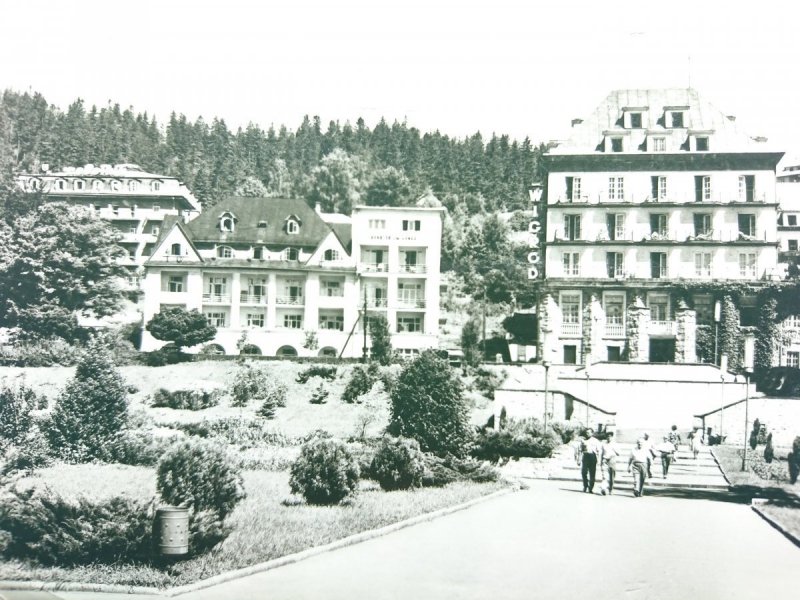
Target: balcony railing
point(245, 298)
point(376, 302)
point(615, 330)
point(716, 198)
point(413, 269)
point(571, 329)
point(375, 267)
point(216, 298)
point(411, 302)
point(662, 328)
point(289, 300)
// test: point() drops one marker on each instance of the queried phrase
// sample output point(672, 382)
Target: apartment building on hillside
point(278, 278)
point(134, 201)
point(653, 194)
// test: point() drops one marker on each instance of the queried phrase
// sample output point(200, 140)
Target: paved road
point(551, 541)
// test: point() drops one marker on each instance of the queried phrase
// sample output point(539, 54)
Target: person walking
point(588, 451)
point(667, 451)
point(608, 464)
point(675, 439)
point(697, 442)
point(639, 464)
point(647, 444)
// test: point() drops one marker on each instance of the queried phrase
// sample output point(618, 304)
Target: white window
point(226, 223)
point(615, 264)
point(175, 283)
point(291, 254)
point(572, 263)
point(572, 227)
point(133, 185)
point(132, 228)
point(616, 188)
point(702, 264)
point(258, 252)
point(792, 322)
point(659, 307)
point(154, 229)
point(410, 294)
point(331, 288)
point(658, 265)
point(793, 359)
point(411, 225)
point(570, 308)
point(706, 187)
point(407, 324)
point(292, 226)
point(662, 188)
point(217, 286)
point(377, 224)
point(224, 252)
point(332, 322)
point(61, 184)
point(256, 289)
point(573, 189)
point(79, 184)
point(747, 264)
point(659, 144)
point(216, 319)
point(255, 319)
point(747, 187)
point(293, 321)
point(116, 185)
point(331, 255)
point(614, 308)
point(155, 186)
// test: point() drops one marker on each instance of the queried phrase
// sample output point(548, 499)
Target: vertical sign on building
point(535, 233)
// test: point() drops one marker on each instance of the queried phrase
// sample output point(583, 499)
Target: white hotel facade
point(655, 192)
point(278, 278)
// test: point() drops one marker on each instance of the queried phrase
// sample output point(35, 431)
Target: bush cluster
point(519, 438)
point(17, 403)
point(54, 531)
point(186, 399)
point(238, 431)
point(40, 353)
point(566, 430)
point(325, 472)
point(361, 381)
point(486, 382)
point(316, 371)
point(320, 395)
point(794, 460)
point(440, 471)
point(398, 464)
point(137, 447)
point(253, 384)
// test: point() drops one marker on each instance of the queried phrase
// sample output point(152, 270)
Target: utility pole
point(366, 324)
point(484, 320)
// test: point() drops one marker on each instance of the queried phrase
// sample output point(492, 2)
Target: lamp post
point(587, 398)
point(717, 318)
point(746, 410)
point(721, 404)
point(546, 365)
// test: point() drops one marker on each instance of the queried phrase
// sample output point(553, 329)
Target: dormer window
point(701, 144)
point(331, 255)
point(115, 185)
point(155, 186)
point(61, 185)
point(616, 144)
point(79, 184)
point(292, 226)
point(227, 222)
point(258, 252)
point(676, 119)
point(175, 250)
point(224, 252)
point(291, 254)
point(262, 224)
point(636, 120)
point(133, 186)
point(97, 185)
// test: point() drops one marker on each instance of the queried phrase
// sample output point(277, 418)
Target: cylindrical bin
point(172, 525)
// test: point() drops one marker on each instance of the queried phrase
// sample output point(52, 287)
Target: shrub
point(316, 371)
point(428, 406)
point(186, 399)
point(253, 384)
point(440, 471)
point(319, 396)
point(769, 451)
point(325, 472)
point(398, 464)
point(566, 430)
point(361, 382)
point(28, 454)
point(238, 431)
point(90, 411)
point(41, 353)
point(754, 434)
point(381, 349)
point(519, 438)
point(794, 460)
point(274, 397)
point(200, 475)
point(17, 402)
point(486, 382)
point(138, 447)
point(42, 526)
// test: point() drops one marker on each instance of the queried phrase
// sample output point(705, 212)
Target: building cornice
point(659, 161)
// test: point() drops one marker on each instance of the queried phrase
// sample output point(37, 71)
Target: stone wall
point(780, 415)
point(636, 332)
point(685, 340)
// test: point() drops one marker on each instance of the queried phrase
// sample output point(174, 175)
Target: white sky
point(505, 66)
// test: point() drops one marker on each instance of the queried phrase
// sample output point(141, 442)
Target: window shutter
point(610, 264)
point(611, 224)
point(698, 188)
point(569, 189)
point(654, 187)
point(655, 265)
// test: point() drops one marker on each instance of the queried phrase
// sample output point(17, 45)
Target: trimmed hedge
point(185, 399)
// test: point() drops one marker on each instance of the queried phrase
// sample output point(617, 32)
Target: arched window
point(227, 222)
point(115, 185)
point(79, 184)
point(328, 352)
point(61, 185)
point(176, 250)
point(251, 350)
point(97, 185)
point(286, 351)
point(331, 255)
point(224, 252)
point(292, 226)
point(34, 184)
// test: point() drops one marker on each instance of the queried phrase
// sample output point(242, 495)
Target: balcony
point(376, 302)
point(411, 302)
point(289, 300)
point(216, 299)
point(662, 328)
point(570, 330)
point(615, 330)
point(245, 298)
point(413, 269)
point(375, 267)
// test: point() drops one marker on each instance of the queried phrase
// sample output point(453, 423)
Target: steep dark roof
point(249, 212)
point(344, 231)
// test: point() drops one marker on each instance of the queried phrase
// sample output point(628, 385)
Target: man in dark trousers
point(588, 451)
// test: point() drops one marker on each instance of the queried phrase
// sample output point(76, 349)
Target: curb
point(755, 506)
point(252, 569)
point(721, 470)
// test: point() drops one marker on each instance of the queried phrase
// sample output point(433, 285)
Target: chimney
point(318, 208)
point(45, 167)
point(731, 118)
point(576, 122)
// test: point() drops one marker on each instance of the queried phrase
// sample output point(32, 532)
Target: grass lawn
point(730, 458)
point(264, 526)
point(787, 514)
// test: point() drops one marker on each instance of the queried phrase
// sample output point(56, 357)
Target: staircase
point(684, 473)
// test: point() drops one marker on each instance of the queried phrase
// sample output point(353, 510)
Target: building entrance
point(662, 350)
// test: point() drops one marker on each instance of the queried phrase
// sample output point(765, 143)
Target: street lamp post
point(546, 365)
point(587, 397)
point(717, 318)
point(746, 410)
point(721, 405)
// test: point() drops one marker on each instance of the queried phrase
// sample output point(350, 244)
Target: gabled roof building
point(279, 278)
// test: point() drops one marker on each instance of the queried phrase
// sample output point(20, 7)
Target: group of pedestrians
point(591, 453)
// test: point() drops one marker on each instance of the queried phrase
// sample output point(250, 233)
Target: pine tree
point(381, 349)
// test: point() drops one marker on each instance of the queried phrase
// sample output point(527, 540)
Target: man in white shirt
point(639, 463)
point(608, 466)
point(588, 451)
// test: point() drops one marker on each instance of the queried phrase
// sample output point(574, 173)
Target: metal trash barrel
point(172, 524)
